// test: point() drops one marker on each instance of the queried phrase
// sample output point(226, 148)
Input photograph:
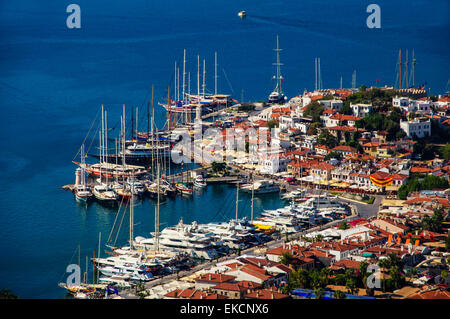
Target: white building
point(360, 109)
point(332, 104)
point(419, 127)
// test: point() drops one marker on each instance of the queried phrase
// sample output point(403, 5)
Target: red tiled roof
point(344, 148)
point(215, 278)
point(345, 264)
point(371, 144)
point(433, 293)
point(266, 294)
point(418, 169)
point(192, 294)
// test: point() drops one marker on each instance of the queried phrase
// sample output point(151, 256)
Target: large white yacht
point(261, 187)
point(184, 238)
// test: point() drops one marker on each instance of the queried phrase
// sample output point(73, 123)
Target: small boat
point(83, 193)
point(184, 189)
point(199, 182)
point(242, 14)
point(104, 193)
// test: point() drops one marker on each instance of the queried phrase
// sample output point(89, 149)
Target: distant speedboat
point(242, 14)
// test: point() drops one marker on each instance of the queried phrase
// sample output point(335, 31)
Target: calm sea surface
point(53, 80)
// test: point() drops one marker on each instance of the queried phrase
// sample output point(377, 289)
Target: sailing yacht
point(277, 95)
point(82, 191)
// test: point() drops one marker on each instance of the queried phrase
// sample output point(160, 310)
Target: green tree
point(312, 129)
point(314, 109)
point(272, 124)
point(286, 258)
point(319, 293)
point(445, 151)
point(217, 167)
point(344, 225)
point(363, 272)
point(336, 155)
point(338, 294)
point(328, 139)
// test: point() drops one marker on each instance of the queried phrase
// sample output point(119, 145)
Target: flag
point(381, 182)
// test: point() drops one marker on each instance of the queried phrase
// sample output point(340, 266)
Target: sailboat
point(277, 95)
point(106, 169)
point(82, 191)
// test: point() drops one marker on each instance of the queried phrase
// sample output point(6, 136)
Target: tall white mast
point(132, 215)
point(102, 135)
point(189, 97)
point(253, 193)
point(215, 73)
point(184, 75)
point(175, 82)
point(123, 136)
point(198, 113)
point(204, 78)
point(157, 210)
point(237, 201)
point(137, 120)
point(278, 65)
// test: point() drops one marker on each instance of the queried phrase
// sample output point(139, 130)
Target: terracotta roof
point(266, 294)
point(371, 144)
point(345, 264)
point(438, 292)
point(237, 286)
point(229, 286)
point(344, 148)
point(215, 278)
point(418, 169)
point(344, 117)
point(192, 294)
point(341, 128)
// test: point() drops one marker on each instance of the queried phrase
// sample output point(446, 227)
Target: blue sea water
point(54, 79)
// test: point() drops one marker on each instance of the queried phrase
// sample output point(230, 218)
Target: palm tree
point(303, 278)
point(324, 276)
point(350, 281)
point(319, 293)
point(384, 266)
point(338, 294)
point(286, 258)
point(7, 294)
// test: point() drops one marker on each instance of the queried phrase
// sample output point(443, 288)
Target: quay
point(128, 293)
